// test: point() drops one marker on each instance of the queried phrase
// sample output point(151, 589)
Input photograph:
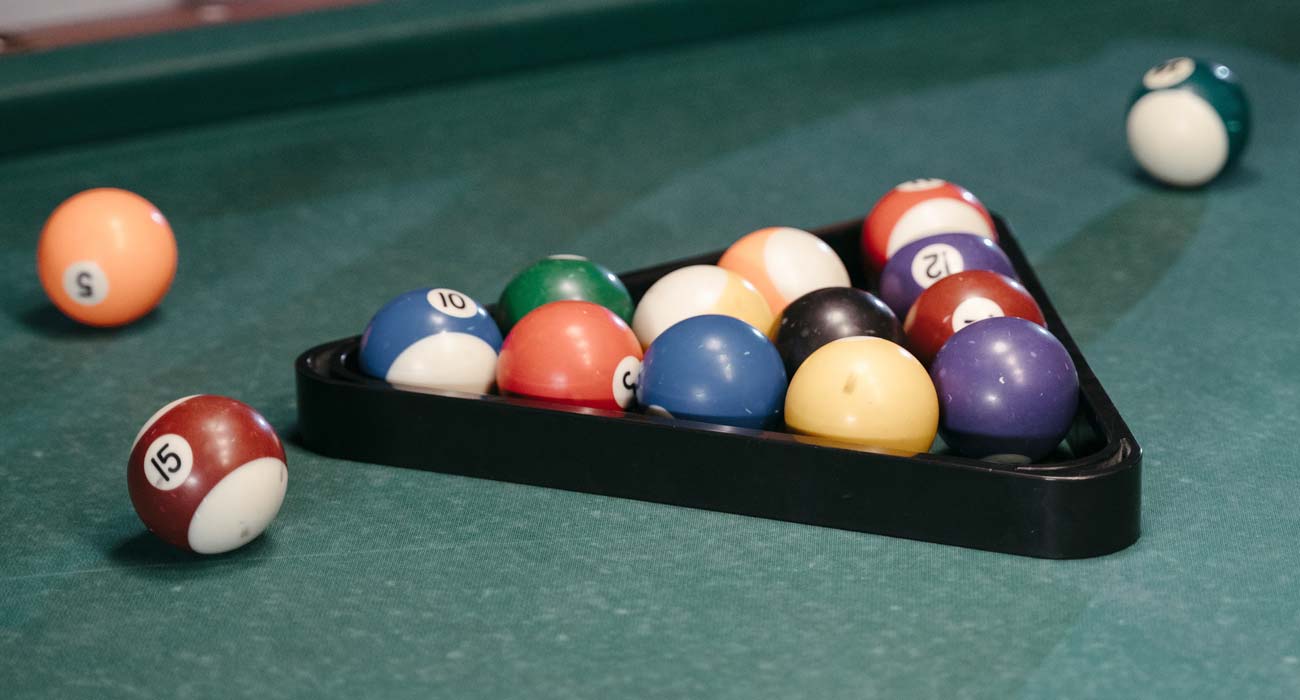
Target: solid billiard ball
point(207, 474)
point(715, 369)
point(921, 263)
point(432, 339)
point(821, 316)
point(864, 391)
point(559, 278)
point(784, 264)
point(106, 257)
point(694, 291)
point(959, 300)
point(1188, 120)
point(1008, 390)
point(575, 353)
point(919, 208)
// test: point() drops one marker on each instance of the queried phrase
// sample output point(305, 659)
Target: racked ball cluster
point(773, 337)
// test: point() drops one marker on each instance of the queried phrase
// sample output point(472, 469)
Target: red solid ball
point(959, 300)
point(207, 474)
point(571, 352)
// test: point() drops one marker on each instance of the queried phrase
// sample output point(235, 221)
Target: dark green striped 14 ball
point(1188, 121)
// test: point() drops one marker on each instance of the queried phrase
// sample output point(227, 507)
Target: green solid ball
point(560, 278)
point(1188, 121)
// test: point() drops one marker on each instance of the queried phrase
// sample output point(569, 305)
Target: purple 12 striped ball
point(920, 264)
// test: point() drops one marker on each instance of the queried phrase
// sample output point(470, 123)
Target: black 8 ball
point(821, 316)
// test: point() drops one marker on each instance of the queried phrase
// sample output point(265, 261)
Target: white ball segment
point(694, 291)
point(1177, 137)
point(454, 361)
point(798, 262)
point(239, 507)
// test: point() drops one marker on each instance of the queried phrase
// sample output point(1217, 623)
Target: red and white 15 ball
point(919, 208)
point(207, 474)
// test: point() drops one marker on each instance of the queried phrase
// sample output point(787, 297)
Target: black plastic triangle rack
point(1084, 502)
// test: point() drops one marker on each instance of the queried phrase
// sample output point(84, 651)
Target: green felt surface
point(374, 581)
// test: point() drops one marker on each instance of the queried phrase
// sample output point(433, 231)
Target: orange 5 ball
point(106, 257)
point(571, 352)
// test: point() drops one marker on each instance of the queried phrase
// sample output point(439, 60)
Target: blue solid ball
point(432, 339)
point(921, 263)
point(715, 369)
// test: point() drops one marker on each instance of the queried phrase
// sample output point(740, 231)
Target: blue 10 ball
point(715, 369)
point(432, 339)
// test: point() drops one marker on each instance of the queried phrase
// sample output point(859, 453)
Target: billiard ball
point(432, 339)
point(920, 208)
point(207, 474)
point(696, 290)
point(921, 263)
point(1188, 120)
point(575, 353)
point(559, 278)
point(106, 257)
point(865, 391)
point(784, 264)
point(959, 300)
point(821, 316)
point(715, 369)
point(1008, 390)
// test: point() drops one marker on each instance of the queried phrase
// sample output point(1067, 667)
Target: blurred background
point(24, 15)
point(29, 25)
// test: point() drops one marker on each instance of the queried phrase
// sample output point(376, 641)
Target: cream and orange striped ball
point(784, 264)
point(694, 291)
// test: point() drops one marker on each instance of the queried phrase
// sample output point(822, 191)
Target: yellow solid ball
point(867, 391)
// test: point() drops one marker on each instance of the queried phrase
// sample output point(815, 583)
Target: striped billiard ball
point(1188, 120)
point(784, 264)
point(697, 290)
point(959, 300)
point(919, 208)
point(432, 339)
point(207, 474)
point(918, 265)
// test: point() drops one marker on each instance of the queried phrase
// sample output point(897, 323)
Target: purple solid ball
point(1008, 390)
point(921, 263)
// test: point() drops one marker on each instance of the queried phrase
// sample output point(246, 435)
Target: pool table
point(315, 165)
